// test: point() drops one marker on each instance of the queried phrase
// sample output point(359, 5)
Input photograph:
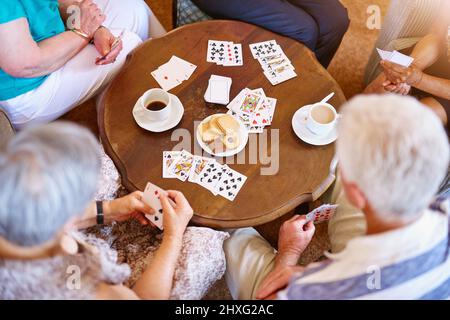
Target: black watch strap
point(100, 216)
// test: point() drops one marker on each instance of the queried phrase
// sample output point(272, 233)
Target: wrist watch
point(100, 215)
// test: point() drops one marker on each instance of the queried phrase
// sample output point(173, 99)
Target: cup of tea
point(156, 105)
point(322, 118)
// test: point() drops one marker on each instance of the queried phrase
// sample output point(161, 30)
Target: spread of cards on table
point(206, 172)
point(225, 53)
point(275, 64)
point(396, 57)
point(173, 73)
point(218, 90)
point(321, 214)
point(253, 109)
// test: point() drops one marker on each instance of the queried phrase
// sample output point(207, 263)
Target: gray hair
point(395, 150)
point(48, 175)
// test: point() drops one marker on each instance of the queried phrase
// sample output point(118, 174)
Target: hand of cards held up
point(151, 198)
point(321, 214)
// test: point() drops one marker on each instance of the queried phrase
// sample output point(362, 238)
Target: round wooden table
point(305, 172)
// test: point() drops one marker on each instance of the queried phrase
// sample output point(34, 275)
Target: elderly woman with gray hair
point(49, 176)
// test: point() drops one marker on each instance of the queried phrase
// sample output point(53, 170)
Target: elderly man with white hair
point(387, 244)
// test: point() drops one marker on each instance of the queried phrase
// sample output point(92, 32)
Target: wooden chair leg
point(174, 13)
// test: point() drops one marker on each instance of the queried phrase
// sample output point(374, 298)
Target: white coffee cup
point(322, 118)
point(153, 96)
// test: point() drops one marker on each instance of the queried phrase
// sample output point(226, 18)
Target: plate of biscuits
point(222, 135)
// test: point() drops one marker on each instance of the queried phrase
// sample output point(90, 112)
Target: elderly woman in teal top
point(55, 54)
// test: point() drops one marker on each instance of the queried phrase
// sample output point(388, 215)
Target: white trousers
point(81, 79)
point(250, 258)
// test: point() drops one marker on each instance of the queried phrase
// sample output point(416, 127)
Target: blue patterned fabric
point(187, 13)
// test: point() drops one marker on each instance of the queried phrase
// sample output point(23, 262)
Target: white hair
point(48, 174)
point(395, 150)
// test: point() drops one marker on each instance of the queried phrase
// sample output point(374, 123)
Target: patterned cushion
point(187, 13)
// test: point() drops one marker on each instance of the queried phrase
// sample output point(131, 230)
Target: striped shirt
point(412, 262)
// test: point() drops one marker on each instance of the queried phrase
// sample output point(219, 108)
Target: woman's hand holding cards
point(130, 206)
point(176, 218)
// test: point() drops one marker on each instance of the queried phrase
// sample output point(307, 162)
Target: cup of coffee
point(156, 105)
point(322, 118)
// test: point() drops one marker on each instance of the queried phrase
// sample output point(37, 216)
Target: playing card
point(211, 175)
point(199, 163)
point(235, 58)
point(396, 57)
point(249, 103)
point(184, 67)
point(267, 108)
point(276, 78)
point(230, 184)
point(321, 214)
point(218, 50)
point(151, 198)
point(168, 158)
point(401, 59)
point(238, 99)
point(181, 166)
point(167, 79)
point(275, 62)
point(260, 91)
point(265, 49)
point(218, 90)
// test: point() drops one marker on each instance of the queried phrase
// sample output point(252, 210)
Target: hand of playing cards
point(206, 172)
point(173, 73)
point(396, 57)
point(225, 53)
point(321, 214)
point(253, 109)
point(218, 90)
point(277, 67)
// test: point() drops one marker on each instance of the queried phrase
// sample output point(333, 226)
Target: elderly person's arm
point(425, 53)
point(157, 280)
point(130, 206)
point(295, 236)
point(103, 38)
point(22, 57)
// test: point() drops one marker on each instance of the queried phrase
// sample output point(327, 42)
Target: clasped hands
point(400, 79)
point(91, 24)
point(176, 218)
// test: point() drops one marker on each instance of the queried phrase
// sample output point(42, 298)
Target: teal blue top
point(44, 21)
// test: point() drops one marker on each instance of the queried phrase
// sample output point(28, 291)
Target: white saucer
point(160, 126)
point(300, 129)
point(243, 135)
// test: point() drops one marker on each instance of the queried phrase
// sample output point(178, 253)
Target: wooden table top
point(305, 172)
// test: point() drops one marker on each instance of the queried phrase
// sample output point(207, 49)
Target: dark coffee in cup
point(156, 106)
